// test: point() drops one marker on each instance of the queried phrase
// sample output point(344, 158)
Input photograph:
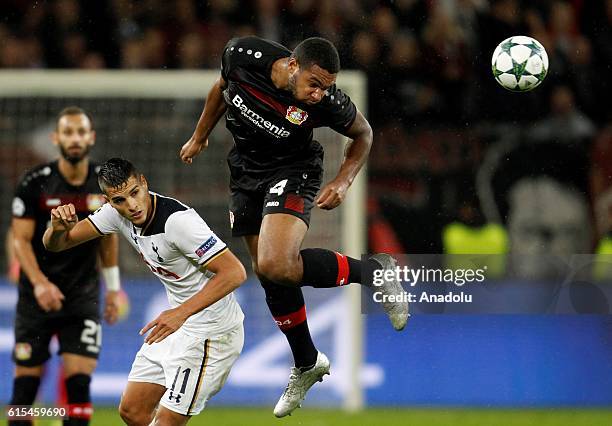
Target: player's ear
point(54, 135)
point(93, 137)
point(143, 181)
point(292, 65)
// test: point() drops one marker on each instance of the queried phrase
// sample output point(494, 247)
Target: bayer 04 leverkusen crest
point(296, 115)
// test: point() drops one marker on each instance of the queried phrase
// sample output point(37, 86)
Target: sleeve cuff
point(95, 227)
point(214, 256)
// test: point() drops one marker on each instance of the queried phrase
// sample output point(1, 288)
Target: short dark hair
point(115, 172)
point(317, 51)
point(73, 110)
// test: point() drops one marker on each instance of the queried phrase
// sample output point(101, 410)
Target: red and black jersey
point(40, 190)
point(272, 130)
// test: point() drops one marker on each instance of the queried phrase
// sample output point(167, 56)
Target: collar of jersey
point(148, 222)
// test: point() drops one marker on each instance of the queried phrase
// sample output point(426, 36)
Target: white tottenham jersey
point(176, 244)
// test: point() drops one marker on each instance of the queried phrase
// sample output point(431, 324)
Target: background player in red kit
point(273, 99)
point(59, 292)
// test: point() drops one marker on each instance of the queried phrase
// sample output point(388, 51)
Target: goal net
point(146, 117)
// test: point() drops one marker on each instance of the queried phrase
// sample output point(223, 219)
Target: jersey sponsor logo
point(159, 270)
point(296, 115)
point(272, 204)
point(18, 207)
point(94, 201)
point(258, 120)
point(231, 219)
point(53, 202)
point(207, 245)
point(23, 351)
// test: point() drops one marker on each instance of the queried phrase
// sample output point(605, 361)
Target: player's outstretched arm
point(66, 231)
point(355, 156)
point(229, 275)
point(213, 110)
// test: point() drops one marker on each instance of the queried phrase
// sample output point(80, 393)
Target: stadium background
point(451, 150)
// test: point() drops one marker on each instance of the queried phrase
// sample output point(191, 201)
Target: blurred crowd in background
point(451, 146)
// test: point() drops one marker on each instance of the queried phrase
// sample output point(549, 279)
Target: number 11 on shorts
point(177, 396)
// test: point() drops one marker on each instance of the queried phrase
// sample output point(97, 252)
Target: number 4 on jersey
point(279, 188)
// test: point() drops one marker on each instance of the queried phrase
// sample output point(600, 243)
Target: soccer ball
point(519, 63)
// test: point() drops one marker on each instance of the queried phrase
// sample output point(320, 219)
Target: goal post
point(147, 116)
point(354, 243)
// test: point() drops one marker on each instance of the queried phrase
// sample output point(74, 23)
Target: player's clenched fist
point(332, 195)
point(63, 218)
point(191, 149)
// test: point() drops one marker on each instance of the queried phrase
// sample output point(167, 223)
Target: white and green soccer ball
point(519, 63)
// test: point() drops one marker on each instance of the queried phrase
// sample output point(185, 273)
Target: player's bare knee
point(76, 364)
point(35, 371)
point(279, 270)
point(132, 416)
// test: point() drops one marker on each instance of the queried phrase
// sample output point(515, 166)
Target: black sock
point(286, 305)
point(302, 347)
point(79, 400)
point(325, 268)
point(25, 389)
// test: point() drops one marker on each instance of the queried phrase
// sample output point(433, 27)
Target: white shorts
point(192, 369)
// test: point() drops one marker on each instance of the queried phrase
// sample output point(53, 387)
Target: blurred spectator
point(537, 230)
point(469, 234)
point(601, 181)
point(17, 52)
point(445, 56)
point(298, 22)
point(191, 51)
point(408, 91)
point(384, 25)
point(365, 53)
point(410, 13)
point(133, 54)
point(503, 20)
point(597, 26)
point(93, 61)
point(74, 49)
point(570, 53)
point(155, 45)
point(563, 27)
point(267, 15)
point(329, 23)
point(540, 191)
point(62, 21)
point(565, 124)
point(125, 16)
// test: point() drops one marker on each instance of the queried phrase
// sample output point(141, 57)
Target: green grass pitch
point(239, 416)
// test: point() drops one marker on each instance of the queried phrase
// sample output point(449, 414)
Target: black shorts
point(290, 191)
point(77, 334)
